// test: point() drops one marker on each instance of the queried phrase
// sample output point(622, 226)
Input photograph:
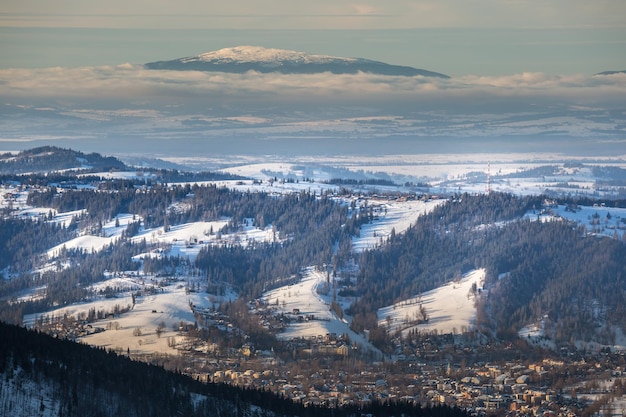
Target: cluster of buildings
point(509, 388)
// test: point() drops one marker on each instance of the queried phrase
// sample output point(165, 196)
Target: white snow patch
point(450, 308)
point(600, 220)
point(390, 215)
point(168, 304)
point(87, 243)
point(186, 240)
point(111, 230)
point(122, 175)
point(269, 56)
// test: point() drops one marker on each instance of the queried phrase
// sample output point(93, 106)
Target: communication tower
point(488, 189)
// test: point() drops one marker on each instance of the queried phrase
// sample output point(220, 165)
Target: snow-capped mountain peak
point(260, 54)
point(241, 59)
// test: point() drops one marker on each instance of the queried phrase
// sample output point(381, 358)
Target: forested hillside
point(309, 230)
point(238, 280)
point(534, 269)
point(553, 271)
point(578, 283)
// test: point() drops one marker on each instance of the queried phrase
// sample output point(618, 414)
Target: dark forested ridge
point(51, 158)
point(41, 236)
point(577, 283)
point(61, 166)
point(439, 247)
point(46, 376)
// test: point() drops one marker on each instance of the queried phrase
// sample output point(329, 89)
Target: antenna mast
point(488, 177)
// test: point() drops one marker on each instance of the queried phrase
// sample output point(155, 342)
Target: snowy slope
point(90, 243)
point(312, 298)
point(599, 219)
point(450, 308)
point(20, 395)
point(160, 303)
point(392, 215)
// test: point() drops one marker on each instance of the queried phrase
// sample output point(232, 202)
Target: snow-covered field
point(306, 298)
point(450, 308)
point(87, 243)
point(391, 215)
point(598, 219)
point(186, 240)
point(111, 232)
point(167, 305)
point(269, 186)
point(446, 173)
point(311, 299)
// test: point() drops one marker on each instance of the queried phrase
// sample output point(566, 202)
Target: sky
point(71, 74)
point(322, 14)
point(456, 37)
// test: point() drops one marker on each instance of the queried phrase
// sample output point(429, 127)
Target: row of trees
point(313, 231)
point(23, 241)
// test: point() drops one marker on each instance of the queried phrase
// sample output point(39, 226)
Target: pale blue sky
point(456, 37)
point(321, 14)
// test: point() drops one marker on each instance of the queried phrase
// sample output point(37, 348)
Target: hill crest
point(52, 158)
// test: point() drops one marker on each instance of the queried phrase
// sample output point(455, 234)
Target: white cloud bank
point(128, 83)
point(126, 100)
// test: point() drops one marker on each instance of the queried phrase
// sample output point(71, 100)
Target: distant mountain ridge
point(52, 158)
point(242, 59)
point(611, 72)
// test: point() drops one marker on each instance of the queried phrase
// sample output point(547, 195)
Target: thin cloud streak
point(330, 14)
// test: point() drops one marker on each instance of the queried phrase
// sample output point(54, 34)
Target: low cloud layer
point(130, 84)
point(127, 100)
